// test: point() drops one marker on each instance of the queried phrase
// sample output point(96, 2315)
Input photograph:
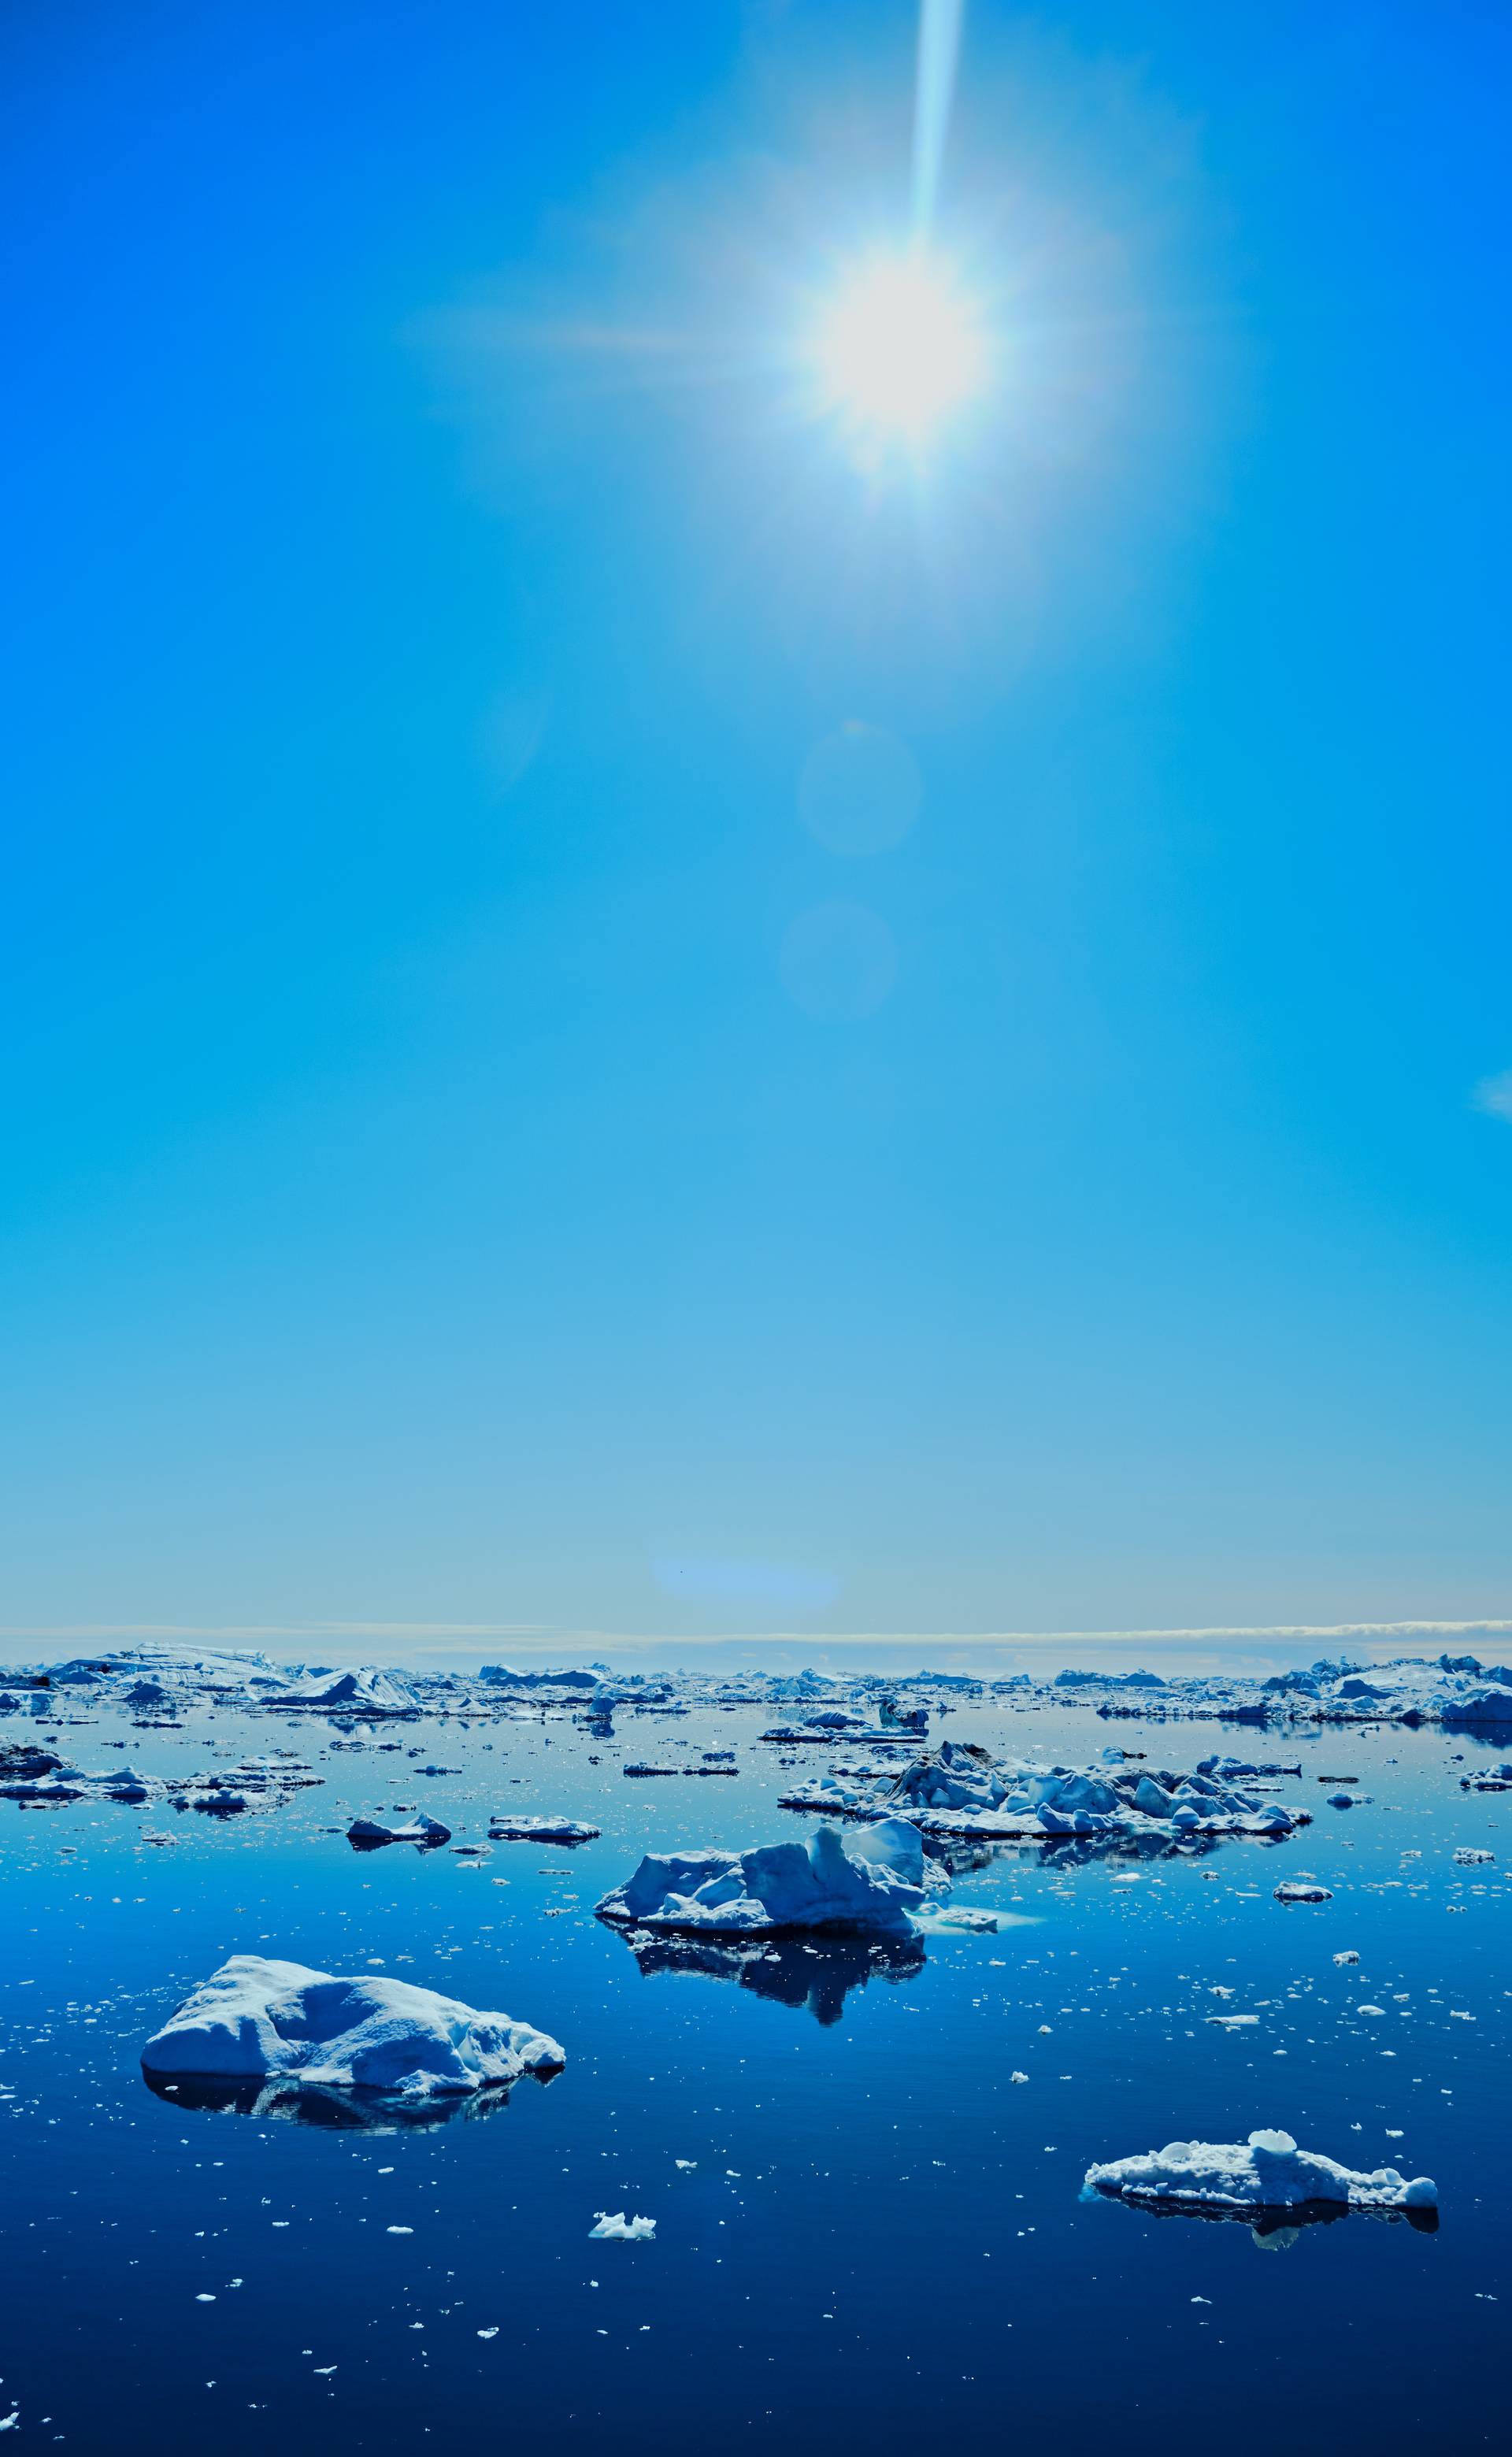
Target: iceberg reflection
point(1273, 2230)
point(286, 2100)
point(814, 1974)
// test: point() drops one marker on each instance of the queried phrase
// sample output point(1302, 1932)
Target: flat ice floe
point(540, 1829)
point(1267, 2171)
point(254, 2020)
point(959, 1792)
point(873, 1889)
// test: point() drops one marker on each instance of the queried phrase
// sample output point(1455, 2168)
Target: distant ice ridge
point(1455, 1690)
point(1266, 2171)
point(254, 2019)
point(874, 1888)
point(962, 1793)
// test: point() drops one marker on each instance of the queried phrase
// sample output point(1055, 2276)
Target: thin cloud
point(1494, 1095)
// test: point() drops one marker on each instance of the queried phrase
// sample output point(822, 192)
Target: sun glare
point(901, 347)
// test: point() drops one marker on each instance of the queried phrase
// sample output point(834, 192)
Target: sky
point(627, 1010)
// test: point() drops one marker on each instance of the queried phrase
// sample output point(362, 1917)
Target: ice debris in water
point(877, 1887)
point(961, 1793)
point(619, 2229)
point(254, 2017)
point(367, 1831)
point(503, 1829)
point(1302, 1890)
point(1267, 2172)
point(1468, 1857)
point(1348, 1955)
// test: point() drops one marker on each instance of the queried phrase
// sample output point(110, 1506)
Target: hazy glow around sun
point(901, 346)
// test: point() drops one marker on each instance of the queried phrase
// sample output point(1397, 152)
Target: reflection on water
point(287, 2100)
point(815, 1974)
point(1272, 2230)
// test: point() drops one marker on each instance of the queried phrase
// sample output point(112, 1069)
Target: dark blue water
point(881, 2240)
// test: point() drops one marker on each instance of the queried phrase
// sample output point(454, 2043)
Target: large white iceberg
point(873, 1889)
point(1267, 2172)
point(255, 2019)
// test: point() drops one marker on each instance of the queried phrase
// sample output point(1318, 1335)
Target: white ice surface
point(1266, 2171)
point(418, 1829)
point(775, 1886)
point(254, 2017)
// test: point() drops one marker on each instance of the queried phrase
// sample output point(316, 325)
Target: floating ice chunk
point(255, 2018)
point(956, 1919)
point(1341, 1800)
point(619, 2229)
point(1267, 2172)
point(502, 1828)
point(764, 1891)
point(367, 1832)
point(1348, 1955)
point(1298, 1889)
point(1018, 2076)
point(1468, 1857)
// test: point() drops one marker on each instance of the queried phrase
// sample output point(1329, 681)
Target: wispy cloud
point(1494, 1095)
point(542, 1635)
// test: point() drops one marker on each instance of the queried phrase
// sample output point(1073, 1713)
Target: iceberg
point(367, 1833)
point(778, 1886)
point(256, 2019)
point(1267, 2171)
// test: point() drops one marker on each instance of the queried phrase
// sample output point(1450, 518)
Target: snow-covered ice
point(368, 1831)
point(255, 2019)
point(1266, 2171)
point(619, 2229)
point(961, 1792)
point(502, 1828)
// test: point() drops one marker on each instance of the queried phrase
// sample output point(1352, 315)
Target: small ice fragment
point(488, 2333)
point(1348, 1955)
point(204, 2299)
point(1018, 2076)
point(685, 2162)
point(619, 2229)
point(393, 2230)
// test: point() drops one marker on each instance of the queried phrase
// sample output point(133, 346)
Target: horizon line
point(538, 1637)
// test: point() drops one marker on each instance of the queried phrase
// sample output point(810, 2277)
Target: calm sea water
point(880, 2240)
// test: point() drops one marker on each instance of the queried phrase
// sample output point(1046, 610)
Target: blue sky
point(474, 1153)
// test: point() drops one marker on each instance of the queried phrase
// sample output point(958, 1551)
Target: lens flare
point(901, 347)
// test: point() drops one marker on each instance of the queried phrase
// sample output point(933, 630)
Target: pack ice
point(961, 1792)
point(254, 2019)
point(1266, 2171)
point(874, 1888)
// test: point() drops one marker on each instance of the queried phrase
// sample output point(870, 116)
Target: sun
point(901, 347)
